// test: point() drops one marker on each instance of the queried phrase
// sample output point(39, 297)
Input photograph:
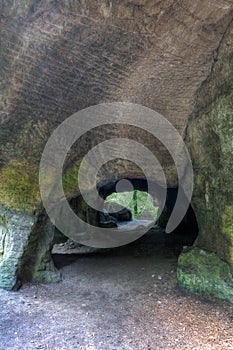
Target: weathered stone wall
point(210, 141)
point(15, 230)
point(60, 59)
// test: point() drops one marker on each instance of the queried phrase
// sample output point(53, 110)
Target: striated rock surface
point(58, 57)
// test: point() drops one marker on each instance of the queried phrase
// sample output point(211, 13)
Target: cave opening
point(136, 205)
point(140, 203)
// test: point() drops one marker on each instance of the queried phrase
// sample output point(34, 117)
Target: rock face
point(60, 57)
point(15, 230)
point(74, 55)
point(25, 244)
point(204, 272)
point(210, 140)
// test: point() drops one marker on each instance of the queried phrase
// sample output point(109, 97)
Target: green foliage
point(138, 202)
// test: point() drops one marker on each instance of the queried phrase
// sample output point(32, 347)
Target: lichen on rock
point(210, 142)
point(15, 229)
point(204, 272)
point(19, 186)
point(70, 180)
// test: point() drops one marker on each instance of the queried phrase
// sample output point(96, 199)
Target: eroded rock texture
point(209, 138)
point(58, 57)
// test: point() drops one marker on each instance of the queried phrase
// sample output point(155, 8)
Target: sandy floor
point(126, 299)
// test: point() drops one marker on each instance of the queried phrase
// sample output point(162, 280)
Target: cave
point(154, 241)
point(96, 92)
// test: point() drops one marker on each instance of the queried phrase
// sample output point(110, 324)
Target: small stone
point(159, 277)
point(152, 276)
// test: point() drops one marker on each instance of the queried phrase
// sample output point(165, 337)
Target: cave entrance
point(142, 207)
point(140, 203)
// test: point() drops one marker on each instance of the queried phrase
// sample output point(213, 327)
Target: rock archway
point(174, 57)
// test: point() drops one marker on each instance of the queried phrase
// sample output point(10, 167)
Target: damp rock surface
point(15, 229)
point(204, 272)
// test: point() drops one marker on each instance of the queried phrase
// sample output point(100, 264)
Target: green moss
point(227, 223)
point(19, 186)
point(204, 272)
point(47, 277)
point(221, 117)
point(36, 258)
point(14, 235)
point(44, 269)
point(7, 274)
point(70, 180)
point(44, 258)
point(226, 228)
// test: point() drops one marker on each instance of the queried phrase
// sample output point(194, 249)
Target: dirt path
point(125, 299)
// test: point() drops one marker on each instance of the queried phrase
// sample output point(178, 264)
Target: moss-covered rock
point(227, 223)
point(36, 263)
point(25, 244)
point(70, 180)
point(19, 188)
point(47, 277)
point(15, 229)
point(204, 272)
point(208, 268)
